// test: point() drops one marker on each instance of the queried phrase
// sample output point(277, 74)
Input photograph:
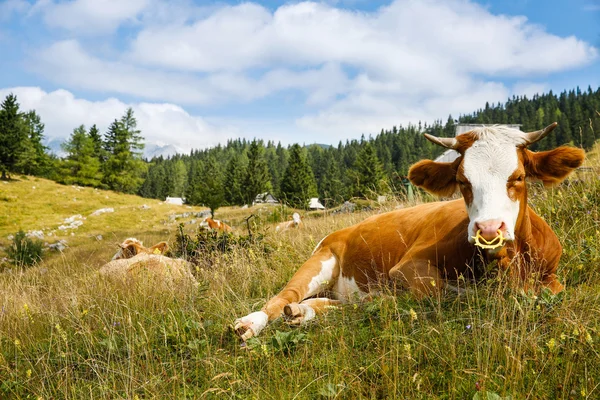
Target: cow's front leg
point(319, 273)
point(300, 313)
point(419, 276)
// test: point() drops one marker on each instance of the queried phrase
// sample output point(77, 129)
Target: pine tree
point(208, 190)
point(123, 147)
point(33, 159)
point(178, 175)
point(331, 186)
point(298, 184)
point(81, 165)
point(257, 179)
point(234, 175)
point(13, 135)
point(94, 134)
point(367, 172)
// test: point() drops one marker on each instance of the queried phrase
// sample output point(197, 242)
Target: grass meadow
point(68, 333)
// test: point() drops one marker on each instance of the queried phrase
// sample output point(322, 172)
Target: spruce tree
point(123, 147)
point(13, 135)
point(257, 179)
point(208, 188)
point(367, 172)
point(331, 186)
point(94, 134)
point(81, 165)
point(33, 159)
point(234, 175)
point(298, 184)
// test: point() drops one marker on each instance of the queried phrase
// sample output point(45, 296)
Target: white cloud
point(85, 71)
point(91, 16)
point(61, 112)
point(399, 40)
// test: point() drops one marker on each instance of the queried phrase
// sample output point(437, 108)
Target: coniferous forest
point(234, 173)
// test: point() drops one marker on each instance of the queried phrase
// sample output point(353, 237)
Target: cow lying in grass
point(424, 247)
point(134, 261)
point(216, 225)
point(294, 222)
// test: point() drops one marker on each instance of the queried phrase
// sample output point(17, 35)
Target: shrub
point(205, 244)
point(24, 251)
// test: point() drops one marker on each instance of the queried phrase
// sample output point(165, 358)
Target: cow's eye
point(520, 178)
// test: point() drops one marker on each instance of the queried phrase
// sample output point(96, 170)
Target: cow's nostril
point(489, 229)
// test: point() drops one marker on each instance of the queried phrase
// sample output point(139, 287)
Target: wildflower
point(28, 373)
point(588, 338)
point(18, 343)
point(468, 326)
point(413, 315)
point(563, 336)
point(575, 331)
point(551, 344)
point(432, 283)
point(62, 332)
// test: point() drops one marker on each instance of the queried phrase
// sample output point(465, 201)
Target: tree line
point(236, 172)
point(112, 160)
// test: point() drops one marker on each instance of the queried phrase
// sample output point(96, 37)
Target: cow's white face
point(296, 218)
point(491, 179)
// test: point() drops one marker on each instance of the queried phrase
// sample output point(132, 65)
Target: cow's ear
point(132, 250)
point(553, 166)
point(160, 248)
point(437, 178)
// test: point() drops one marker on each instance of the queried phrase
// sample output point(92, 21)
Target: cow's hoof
point(297, 314)
point(250, 325)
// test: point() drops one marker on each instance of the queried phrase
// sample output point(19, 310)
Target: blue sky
point(199, 73)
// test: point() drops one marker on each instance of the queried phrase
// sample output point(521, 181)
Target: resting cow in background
point(134, 261)
point(295, 222)
point(217, 225)
point(423, 247)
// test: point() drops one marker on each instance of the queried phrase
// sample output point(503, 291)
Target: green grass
point(65, 332)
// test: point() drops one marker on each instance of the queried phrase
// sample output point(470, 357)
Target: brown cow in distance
point(216, 225)
point(424, 247)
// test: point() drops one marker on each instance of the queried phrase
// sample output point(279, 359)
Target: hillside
point(35, 204)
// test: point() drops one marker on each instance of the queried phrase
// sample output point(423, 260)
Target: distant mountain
point(54, 145)
point(151, 150)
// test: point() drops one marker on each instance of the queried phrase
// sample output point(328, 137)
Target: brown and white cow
point(217, 225)
point(134, 261)
point(423, 247)
point(294, 222)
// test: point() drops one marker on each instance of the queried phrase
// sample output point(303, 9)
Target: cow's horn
point(532, 137)
point(449, 143)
